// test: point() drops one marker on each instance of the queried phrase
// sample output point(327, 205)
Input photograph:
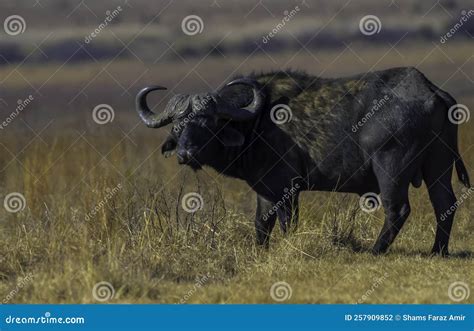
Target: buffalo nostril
point(189, 155)
point(185, 156)
point(182, 156)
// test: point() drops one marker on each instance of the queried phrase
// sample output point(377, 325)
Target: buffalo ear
point(230, 137)
point(169, 146)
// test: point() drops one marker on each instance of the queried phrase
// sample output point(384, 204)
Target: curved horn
point(258, 98)
point(151, 119)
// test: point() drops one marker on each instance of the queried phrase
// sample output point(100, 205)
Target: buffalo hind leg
point(264, 221)
point(394, 195)
point(443, 201)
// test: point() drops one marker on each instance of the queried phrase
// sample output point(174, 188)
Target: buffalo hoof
point(440, 252)
point(378, 251)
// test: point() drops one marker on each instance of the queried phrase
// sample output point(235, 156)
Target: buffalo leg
point(264, 220)
point(288, 214)
point(437, 176)
point(394, 194)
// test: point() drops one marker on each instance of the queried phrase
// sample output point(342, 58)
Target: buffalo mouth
point(186, 158)
point(195, 166)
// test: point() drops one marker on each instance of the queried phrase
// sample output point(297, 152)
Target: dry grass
point(151, 250)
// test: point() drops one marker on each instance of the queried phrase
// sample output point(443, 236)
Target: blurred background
point(69, 134)
point(68, 72)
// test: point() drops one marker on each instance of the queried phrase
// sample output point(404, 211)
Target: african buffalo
point(286, 132)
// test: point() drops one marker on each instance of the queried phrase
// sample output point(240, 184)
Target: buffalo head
point(203, 124)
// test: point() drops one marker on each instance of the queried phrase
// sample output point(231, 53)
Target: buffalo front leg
point(264, 220)
point(288, 214)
